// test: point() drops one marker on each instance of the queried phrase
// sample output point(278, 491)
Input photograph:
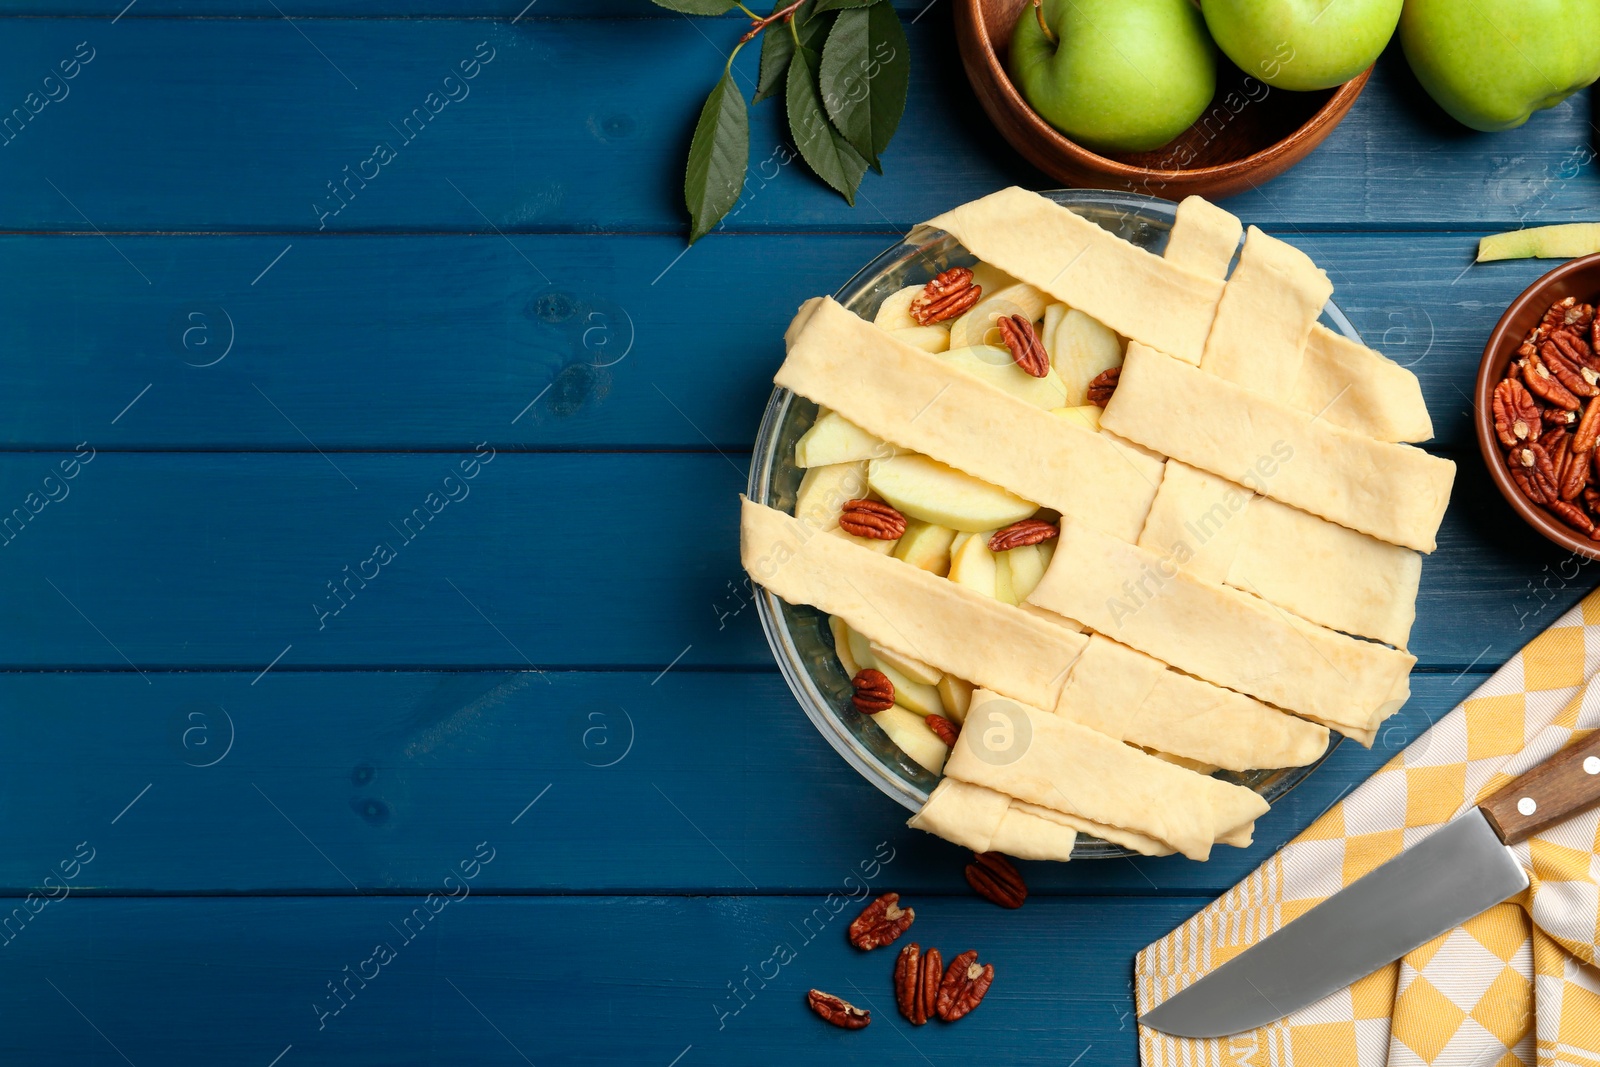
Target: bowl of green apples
point(1169, 97)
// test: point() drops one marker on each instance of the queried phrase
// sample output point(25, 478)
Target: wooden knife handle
point(1565, 784)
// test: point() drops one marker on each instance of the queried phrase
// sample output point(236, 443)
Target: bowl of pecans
point(1538, 406)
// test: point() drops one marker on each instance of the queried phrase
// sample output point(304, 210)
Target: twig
point(784, 15)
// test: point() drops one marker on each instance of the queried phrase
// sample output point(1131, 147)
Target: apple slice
point(910, 732)
point(825, 490)
point(933, 338)
point(835, 439)
point(991, 277)
point(926, 489)
point(996, 366)
point(956, 696)
point(973, 566)
point(977, 326)
point(1026, 567)
point(918, 696)
point(1003, 591)
point(1086, 415)
point(1081, 348)
point(1564, 241)
point(841, 646)
point(895, 311)
point(912, 668)
point(925, 546)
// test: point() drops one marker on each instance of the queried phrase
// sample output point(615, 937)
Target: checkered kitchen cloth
point(1516, 985)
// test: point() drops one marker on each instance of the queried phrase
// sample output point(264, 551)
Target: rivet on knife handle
point(1563, 785)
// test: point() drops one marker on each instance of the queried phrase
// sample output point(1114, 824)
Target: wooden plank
point(332, 9)
point(167, 560)
point(684, 783)
point(624, 344)
point(351, 85)
point(599, 980)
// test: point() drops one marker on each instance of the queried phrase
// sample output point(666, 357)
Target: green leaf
point(865, 76)
point(717, 157)
point(841, 5)
point(777, 46)
point(698, 7)
point(822, 147)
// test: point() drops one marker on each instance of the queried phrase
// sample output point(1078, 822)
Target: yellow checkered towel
point(1516, 985)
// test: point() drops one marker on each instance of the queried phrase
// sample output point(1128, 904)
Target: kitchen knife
point(1463, 868)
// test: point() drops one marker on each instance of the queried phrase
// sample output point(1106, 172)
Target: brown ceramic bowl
point(1579, 278)
point(1243, 139)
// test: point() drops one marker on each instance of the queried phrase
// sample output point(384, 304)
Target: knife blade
point(1460, 870)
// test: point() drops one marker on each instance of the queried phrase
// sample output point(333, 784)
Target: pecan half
point(1542, 470)
point(964, 987)
point(944, 729)
point(1516, 416)
point(1545, 385)
point(1573, 348)
point(881, 922)
point(1566, 312)
point(1026, 348)
point(1103, 385)
point(1525, 484)
point(993, 878)
point(1558, 416)
point(1572, 515)
point(1574, 473)
point(1026, 532)
point(1587, 433)
point(949, 294)
point(1591, 500)
point(840, 1013)
point(1568, 373)
point(872, 518)
point(874, 691)
point(916, 983)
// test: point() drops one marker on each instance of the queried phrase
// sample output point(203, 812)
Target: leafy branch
point(843, 68)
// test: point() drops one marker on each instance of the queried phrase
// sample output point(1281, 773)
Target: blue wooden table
point(531, 790)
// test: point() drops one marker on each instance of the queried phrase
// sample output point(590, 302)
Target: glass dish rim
point(791, 664)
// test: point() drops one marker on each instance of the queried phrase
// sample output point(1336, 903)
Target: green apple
point(1124, 75)
point(1302, 44)
point(1493, 63)
point(895, 311)
point(973, 566)
point(825, 490)
point(926, 489)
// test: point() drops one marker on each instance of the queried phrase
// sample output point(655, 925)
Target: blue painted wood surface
point(557, 663)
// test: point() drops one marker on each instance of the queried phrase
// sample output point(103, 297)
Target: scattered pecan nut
point(1026, 532)
point(1104, 384)
point(964, 986)
point(944, 729)
point(1026, 348)
point(916, 983)
point(881, 922)
point(840, 1013)
point(874, 691)
point(949, 294)
point(994, 879)
point(1516, 415)
point(872, 518)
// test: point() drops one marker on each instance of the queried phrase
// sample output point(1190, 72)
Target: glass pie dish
point(799, 635)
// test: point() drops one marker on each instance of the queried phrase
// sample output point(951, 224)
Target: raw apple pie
point(1090, 524)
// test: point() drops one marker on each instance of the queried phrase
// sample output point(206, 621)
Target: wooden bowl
point(1579, 278)
point(1250, 134)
